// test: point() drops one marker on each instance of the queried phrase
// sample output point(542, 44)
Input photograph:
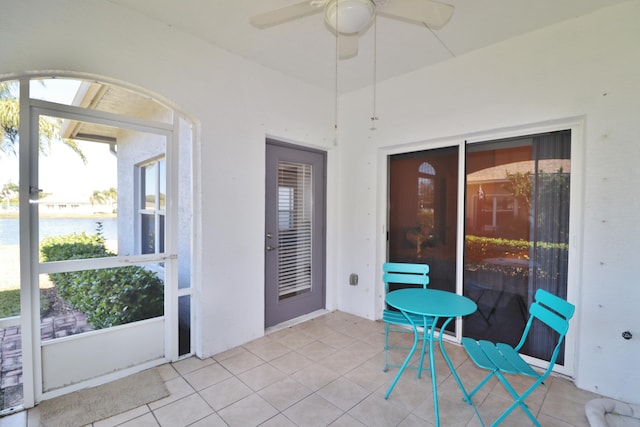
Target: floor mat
point(97, 403)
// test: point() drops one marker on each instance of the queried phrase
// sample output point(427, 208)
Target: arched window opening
point(112, 224)
point(426, 199)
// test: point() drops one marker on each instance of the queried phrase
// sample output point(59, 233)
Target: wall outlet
point(353, 279)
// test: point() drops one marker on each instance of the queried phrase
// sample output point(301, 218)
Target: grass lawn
point(10, 303)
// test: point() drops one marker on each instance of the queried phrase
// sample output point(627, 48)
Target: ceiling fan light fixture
point(352, 16)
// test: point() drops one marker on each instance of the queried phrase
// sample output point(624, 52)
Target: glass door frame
point(31, 268)
point(576, 126)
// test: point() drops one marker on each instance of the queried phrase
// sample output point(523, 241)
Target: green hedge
point(478, 248)
point(109, 296)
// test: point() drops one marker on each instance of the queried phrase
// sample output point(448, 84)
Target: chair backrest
point(405, 274)
point(554, 312)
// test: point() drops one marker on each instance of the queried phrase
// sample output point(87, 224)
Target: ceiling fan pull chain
point(374, 117)
point(335, 124)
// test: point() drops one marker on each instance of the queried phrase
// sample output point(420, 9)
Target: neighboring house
point(73, 204)
point(489, 196)
point(580, 74)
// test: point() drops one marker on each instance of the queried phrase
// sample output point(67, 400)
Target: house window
point(153, 190)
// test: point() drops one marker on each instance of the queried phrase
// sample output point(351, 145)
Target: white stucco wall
point(134, 149)
point(235, 105)
point(587, 68)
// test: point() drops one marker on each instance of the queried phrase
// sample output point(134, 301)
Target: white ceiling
point(305, 48)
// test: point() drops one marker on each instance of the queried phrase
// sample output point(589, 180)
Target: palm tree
point(49, 129)
point(9, 193)
point(105, 197)
point(97, 197)
point(111, 195)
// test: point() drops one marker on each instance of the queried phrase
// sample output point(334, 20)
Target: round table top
point(431, 302)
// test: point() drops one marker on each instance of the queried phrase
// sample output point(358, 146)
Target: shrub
point(109, 296)
point(115, 296)
point(73, 246)
point(479, 248)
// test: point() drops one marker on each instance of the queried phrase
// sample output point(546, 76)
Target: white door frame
point(577, 126)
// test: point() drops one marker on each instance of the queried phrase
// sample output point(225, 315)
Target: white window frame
point(157, 212)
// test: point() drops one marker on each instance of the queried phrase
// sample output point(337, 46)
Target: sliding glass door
point(516, 233)
point(423, 213)
point(516, 227)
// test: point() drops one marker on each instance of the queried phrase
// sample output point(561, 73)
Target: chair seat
point(503, 357)
point(397, 318)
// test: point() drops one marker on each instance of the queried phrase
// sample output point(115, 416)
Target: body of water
point(10, 231)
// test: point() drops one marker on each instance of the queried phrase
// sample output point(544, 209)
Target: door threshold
point(296, 321)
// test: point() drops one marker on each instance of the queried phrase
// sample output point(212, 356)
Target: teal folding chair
point(404, 275)
point(502, 359)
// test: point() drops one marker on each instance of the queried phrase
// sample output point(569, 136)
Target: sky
point(62, 172)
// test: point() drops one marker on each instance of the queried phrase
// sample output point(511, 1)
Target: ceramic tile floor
point(328, 371)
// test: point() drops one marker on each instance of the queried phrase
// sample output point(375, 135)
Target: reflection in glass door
point(423, 213)
point(517, 234)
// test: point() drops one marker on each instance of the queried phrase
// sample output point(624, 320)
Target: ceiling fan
point(351, 18)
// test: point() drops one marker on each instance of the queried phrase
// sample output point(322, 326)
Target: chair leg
point(510, 409)
point(386, 348)
point(406, 361)
point(466, 396)
point(422, 351)
point(479, 386)
point(518, 400)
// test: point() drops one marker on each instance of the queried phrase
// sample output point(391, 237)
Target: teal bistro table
point(433, 305)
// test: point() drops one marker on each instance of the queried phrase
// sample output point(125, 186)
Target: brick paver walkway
point(11, 352)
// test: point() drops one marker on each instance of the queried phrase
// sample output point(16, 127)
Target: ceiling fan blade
point(285, 14)
point(347, 46)
point(428, 12)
